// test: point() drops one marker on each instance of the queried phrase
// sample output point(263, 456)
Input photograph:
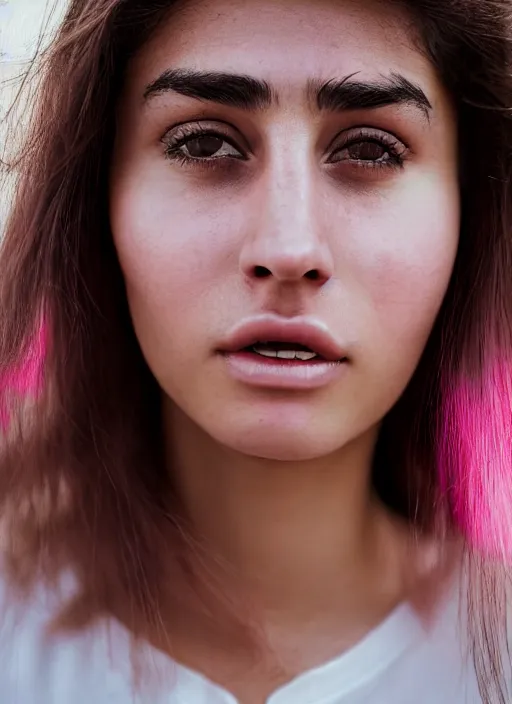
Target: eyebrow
point(348, 94)
point(230, 89)
point(248, 93)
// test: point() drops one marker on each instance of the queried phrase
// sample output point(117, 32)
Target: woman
point(257, 274)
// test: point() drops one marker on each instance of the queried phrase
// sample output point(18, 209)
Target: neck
point(299, 533)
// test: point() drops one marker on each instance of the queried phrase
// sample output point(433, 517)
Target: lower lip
point(275, 373)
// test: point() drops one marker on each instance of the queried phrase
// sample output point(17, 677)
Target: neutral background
point(21, 23)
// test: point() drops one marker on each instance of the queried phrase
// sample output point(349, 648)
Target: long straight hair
point(82, 481)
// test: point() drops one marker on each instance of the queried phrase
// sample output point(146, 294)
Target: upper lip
point(304, 331)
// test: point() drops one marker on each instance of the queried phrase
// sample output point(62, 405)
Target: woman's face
point(284, 183)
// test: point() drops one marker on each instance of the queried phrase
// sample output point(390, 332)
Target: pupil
point(202, 147)
point(367, 151)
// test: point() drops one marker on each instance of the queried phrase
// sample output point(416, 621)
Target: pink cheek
point(167, 250)
point(407, 253)
point(166, 273)
point(409, 278)
point(400, 292)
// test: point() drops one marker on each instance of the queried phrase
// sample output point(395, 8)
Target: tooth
point(286, 354)
point(265, 353)
point(304, 356)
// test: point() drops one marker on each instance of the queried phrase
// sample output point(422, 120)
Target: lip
point(277, 373)
point(304, 331)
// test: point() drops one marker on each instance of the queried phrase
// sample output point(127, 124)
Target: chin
point(279, 441)
point(283, 453)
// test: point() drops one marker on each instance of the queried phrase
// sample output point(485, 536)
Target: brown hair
point(82, 482)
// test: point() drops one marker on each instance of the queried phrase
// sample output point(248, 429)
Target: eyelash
point(396, 149)
point(187, 133)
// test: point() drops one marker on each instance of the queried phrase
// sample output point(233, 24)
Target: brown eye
point(366, 151)
point(367, 148)
point(204, 147)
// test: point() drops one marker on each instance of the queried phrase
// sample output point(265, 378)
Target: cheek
point(406, 267)
point(169, 248)
point(177, 256)
point(164, 268)
point(410, 279)
point(406, 288)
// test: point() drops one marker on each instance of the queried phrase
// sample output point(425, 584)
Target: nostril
point(261, 272)
point(313, 274)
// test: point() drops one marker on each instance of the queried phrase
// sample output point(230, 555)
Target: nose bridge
point(287, 214)
point(287, 238)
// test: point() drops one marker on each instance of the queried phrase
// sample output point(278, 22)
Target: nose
point(284, 242)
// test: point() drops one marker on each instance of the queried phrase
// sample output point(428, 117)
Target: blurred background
point(23, 23)
point(20, 22)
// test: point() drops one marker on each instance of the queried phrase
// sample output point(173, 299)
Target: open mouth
point(284, 343)
point(276, 353)
point(288, 351)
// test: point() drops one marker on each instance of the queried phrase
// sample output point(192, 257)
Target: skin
point(278, 481)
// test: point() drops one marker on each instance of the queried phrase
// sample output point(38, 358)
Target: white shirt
point(402, 661)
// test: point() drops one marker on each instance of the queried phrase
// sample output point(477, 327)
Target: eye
point(366, 151)
point(208, 146)
point(369, 148)
point(196, 143)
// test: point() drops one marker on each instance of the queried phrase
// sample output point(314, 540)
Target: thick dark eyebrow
point(248, 93)
point(349, 94)
point(229, 89)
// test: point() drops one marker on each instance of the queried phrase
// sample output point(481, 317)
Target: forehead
point(287, 42)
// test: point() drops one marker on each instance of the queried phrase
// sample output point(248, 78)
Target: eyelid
point(194, 128)
point(362, 132)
